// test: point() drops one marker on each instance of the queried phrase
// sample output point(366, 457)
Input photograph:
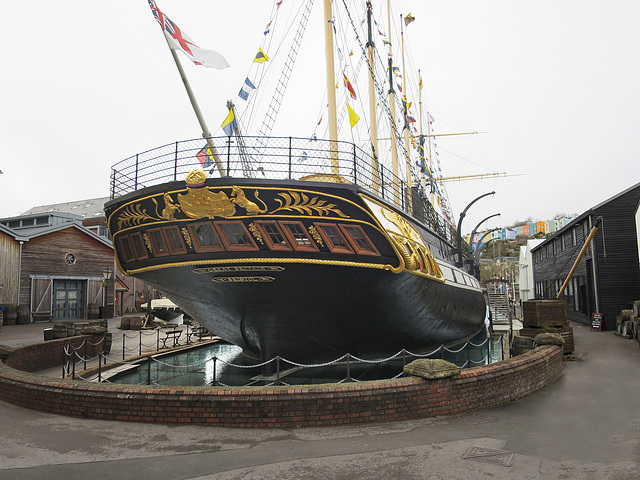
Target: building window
point(334, 238)
point(205, 238)
point(158, 244)
point(359, 240)
point(174, 240)
point(298, 237)
point(235, 236)
point(273, 235)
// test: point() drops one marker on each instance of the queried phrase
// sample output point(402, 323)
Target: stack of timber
point(547, 316)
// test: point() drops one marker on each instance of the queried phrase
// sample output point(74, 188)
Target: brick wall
point(40, 356)
point(288, 406)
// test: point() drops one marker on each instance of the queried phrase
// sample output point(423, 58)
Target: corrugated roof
point(91, 208)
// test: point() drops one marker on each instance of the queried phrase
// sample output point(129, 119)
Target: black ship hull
point(308, 271)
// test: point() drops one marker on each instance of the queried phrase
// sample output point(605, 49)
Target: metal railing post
point(123, 345)
point(215, 382)
point(85, 354)
point(99, 367)
point(175, 165)
point(149, 370)
point(278, 382)
point(290, 152)
point(135, 185)
point(355, 165)
point(140, 343)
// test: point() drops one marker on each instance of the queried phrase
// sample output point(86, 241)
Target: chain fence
point(214, 369)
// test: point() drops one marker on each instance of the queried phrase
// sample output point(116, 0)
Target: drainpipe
point(19, 272)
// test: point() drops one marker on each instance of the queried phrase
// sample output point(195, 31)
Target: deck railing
point(273, 158)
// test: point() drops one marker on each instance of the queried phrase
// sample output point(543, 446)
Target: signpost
point(597, 322)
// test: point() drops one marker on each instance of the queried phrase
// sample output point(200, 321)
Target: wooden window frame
point(137, 240)
point(334, 249)
point(170, 246)
point(232, 246)
point(372, 250)
point(196, 241)
point(125, 243)
point(273, 246)
point(312, 247)
point(154, 245)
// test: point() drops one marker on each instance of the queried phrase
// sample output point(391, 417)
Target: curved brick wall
point(286, 406)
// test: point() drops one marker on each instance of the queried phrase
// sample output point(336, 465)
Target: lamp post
point(462, 215)
point(106, 274)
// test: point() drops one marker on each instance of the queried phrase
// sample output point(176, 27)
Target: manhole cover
point(490, 455)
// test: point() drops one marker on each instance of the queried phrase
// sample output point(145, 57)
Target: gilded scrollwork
point(316, 235)
point(133, 215)
point(414, 252)
point(187, 237)
point(147, 242)
point(256, 233)
point(299, 202)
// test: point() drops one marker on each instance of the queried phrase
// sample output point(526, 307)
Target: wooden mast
point(372, 106)
point(406, 127)
point(392, 106)
point(331, 91)
point(196, 108)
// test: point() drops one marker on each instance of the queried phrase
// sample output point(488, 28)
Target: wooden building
point(54, 265)
point(607, 279)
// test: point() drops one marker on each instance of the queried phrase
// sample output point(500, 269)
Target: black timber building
point(607, 279)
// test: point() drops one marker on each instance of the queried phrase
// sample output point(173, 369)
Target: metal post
point(290, 152)
point(348, 379)
point(123, 345)
point(149, 370)
point(278, 382)
point(175, 165)
point(135, 187)
point(215, 360)
point(355, 165)
point(140, 343)
point(99, 367)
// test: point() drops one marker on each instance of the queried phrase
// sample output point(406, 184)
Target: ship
point(300, 248)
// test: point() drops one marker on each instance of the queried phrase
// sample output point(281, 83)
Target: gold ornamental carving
point(413, 251)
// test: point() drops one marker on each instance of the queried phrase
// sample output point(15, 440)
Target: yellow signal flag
point(261, 57)
point(353, 116)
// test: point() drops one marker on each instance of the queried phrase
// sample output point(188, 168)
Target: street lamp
point(106, 274)
point(462, 215)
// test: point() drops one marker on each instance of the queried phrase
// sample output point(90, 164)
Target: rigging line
point(464, 158)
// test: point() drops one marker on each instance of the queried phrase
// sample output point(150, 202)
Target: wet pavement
point(586, 425)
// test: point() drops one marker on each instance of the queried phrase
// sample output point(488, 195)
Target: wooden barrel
point(59, 331)
point(93, 311)
point(521, 345)
point(10, 315)
point(136, 323)
point(22, 314)
point(125, 323)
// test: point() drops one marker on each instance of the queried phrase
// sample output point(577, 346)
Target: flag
point(408, 19)
point(229, 123)
point(205, 157)
point(247, 86)
point(279, 3)
point(347, 84)
point(267, 28)
point(179, 40)
point(353, 116)
point(261, 57)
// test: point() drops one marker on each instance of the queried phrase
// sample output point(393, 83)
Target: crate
point(565, 332)
point(544, 313)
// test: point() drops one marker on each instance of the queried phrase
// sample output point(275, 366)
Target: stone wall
point(287, 406)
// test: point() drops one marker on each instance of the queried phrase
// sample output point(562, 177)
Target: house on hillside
point(607, 278)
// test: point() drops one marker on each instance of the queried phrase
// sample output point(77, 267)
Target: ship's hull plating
point(384, 285)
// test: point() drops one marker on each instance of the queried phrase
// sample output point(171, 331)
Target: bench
point(174, 335)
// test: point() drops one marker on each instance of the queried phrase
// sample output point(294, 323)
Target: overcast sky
point(553, 85)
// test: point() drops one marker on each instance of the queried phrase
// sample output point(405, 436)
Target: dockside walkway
point(586, 425)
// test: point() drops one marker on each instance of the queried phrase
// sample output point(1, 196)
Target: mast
point(203, 125)
point(331, 91)
point(406, 127)
point(372, 106)
point(392, 101)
